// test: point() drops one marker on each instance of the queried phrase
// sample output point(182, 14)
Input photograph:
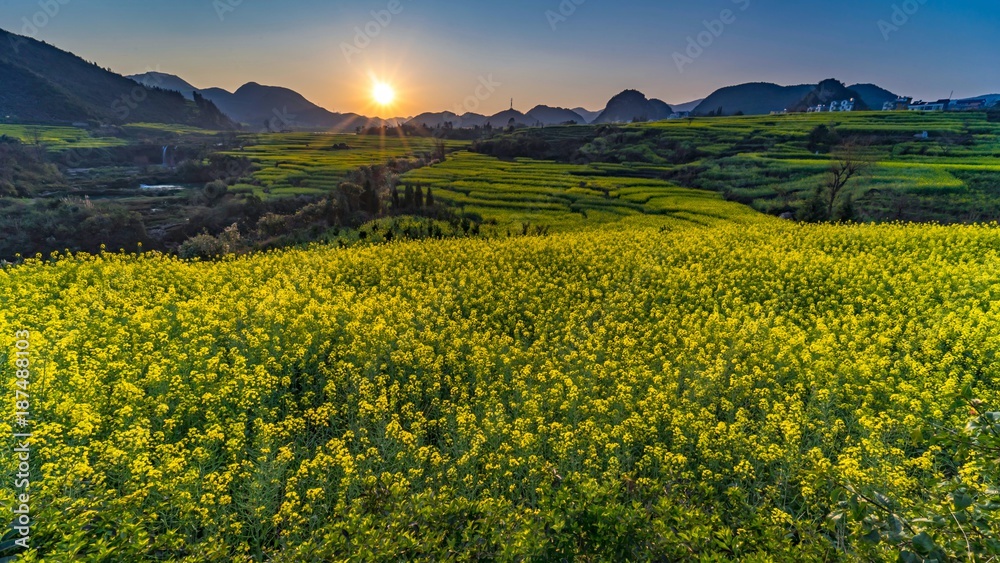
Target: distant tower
point(512, 103)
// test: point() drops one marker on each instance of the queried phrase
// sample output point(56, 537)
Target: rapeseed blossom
point(688, 388)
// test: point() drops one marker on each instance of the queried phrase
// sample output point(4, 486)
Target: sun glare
point(383, 94)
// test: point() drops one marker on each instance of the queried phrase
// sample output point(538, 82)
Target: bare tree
point(851, 159)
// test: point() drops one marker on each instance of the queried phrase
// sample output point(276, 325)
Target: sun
point(383, 93)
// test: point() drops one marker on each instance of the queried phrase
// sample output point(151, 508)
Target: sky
point(474, 55)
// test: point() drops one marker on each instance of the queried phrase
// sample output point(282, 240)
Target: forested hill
point(43, 84)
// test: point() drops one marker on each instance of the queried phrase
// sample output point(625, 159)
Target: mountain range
point(687, 106)
point(269, 108)
point(761, 98)
point(42, 84)
point(587, 115)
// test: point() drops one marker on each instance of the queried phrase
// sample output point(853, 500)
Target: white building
point(940, 105)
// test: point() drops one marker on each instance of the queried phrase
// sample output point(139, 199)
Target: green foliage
point(770, 162)
point(215, 191)
point(37, 227)
point(59, 139)
point(546, 195)
point(822, 139)
point(43, 84)
point(315, 164)
point(845, 210)
point(409, 197)
point(815, 208)
point(207, 246)
point(24, 170)
point(953, 514)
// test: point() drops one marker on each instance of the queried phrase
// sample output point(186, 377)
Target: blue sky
point(558, 52)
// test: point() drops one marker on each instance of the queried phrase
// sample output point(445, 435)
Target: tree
point(814, 210)
point(369, 199)
point(993, 115)
point(395, 198)
point(440, 152)
point(418, 196)
point(845, 210)
point(822, 139)
point(349, 196)
point(408, 197)
point(430, 197)
point(215, 190)
point(851, 160)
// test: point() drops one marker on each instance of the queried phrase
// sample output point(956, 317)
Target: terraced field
point(314, 164)
point(561, 196)
point(763, 160)
point(59, 139)
point(773, 163)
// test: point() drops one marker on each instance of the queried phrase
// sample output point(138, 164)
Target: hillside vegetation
point(776, 164)
point(43, 84)
point(69, 188)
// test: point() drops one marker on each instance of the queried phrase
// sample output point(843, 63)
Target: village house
point(940, 105)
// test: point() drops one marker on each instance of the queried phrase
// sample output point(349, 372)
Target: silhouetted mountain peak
point(547, 115)
point(632, 105)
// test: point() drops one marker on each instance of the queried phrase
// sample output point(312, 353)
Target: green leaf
point(962, 501)
point(967, 392)
point(923, 543)
point(872, 537)
point(883, 500)
point(837, 517)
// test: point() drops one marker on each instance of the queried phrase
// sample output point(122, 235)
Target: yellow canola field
point(621, 394)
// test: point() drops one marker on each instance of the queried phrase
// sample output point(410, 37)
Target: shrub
point(207, 246)
point(215, 191)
